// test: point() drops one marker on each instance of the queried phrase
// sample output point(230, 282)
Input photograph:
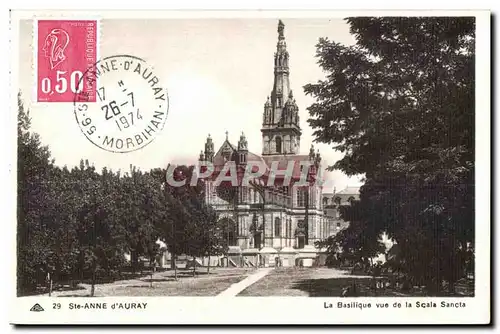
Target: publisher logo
point(37, 308)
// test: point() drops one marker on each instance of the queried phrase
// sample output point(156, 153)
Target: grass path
point(164, 284)
point(236, 288)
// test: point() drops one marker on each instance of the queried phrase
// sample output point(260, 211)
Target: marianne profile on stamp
point(55, 45)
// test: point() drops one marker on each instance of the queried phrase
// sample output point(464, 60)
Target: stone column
point(310, 233)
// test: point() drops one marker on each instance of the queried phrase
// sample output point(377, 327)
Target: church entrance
point(301, 234)
point(257, 240)
point(229, 229)
point(301, 241)
point(300, 237)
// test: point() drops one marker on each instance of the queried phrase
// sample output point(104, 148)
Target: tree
point(33, 173)
point(359, 242)
point(400, 105)
point(78, 224)
point(204, 234)
point(139, 209)
point(214, 240)
point(177, 228)
point(191, 218)
point(99, 241)
point(195, 227)
point(166, 226)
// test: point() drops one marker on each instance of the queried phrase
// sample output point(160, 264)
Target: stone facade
point(285, 217)
point(332, 202)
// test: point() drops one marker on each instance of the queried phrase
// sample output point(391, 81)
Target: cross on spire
point(227, 134)
point(281, 29)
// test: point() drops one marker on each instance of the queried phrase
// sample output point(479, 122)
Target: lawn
point(318, 282)
point(164, 284)
point(294, 281)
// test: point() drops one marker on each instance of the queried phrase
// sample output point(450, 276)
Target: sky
point(218, 73)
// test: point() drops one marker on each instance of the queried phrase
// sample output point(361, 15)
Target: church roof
point(349, 191)
point(219, 159)
point(267, 160)
point(283, 162)
point(254, 157)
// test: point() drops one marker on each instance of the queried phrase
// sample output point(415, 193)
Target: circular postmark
point(127, 106)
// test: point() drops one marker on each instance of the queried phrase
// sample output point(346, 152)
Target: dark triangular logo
point(37, 308)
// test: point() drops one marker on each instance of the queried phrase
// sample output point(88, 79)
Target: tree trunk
point(81, 260)
point(208, 266)
point(152, 263)
point(451, 286)
point(194, 266)
point(432, 286)
point(134, 259)
point(92, 288)
point(174, 257)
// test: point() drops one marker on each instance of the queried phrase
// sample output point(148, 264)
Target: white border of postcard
point(281, 310)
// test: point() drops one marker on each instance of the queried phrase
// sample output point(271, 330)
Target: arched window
point(278, 145)
point(229, 231)
point(301, 197)
point(325, 200)
point(277, 227)
point(350, 200)
point(337, 200)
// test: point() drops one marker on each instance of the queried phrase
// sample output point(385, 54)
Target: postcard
point(251, 167)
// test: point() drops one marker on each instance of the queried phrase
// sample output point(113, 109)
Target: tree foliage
point(358, 243)
point(197, 229)
point(78, 224)
point(400, 105)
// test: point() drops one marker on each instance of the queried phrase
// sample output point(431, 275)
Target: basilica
point(265, 224)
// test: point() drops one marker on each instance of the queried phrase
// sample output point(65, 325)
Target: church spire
point(281, 85)
point(209, 149)
point(280, 125)
point(281, 30)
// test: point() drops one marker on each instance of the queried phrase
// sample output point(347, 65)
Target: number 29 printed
point(66, 49)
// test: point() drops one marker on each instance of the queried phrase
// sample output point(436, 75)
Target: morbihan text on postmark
point(131, 104)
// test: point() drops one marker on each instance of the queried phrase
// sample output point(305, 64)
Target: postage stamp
point(201, 166)
point(131, 105)
point(65, 49)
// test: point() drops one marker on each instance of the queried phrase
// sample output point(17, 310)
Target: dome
point(309, 249)
point(268, 250)
point(288, 250)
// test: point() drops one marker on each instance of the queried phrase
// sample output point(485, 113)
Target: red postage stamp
point(65, 49)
